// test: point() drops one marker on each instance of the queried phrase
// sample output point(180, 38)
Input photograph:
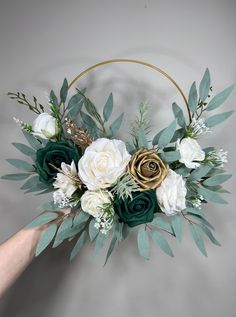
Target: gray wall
point(43, 41)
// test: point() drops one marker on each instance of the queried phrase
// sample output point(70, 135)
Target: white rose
point(92, 202)
point(171, 194)
point(103, 162)
point(45, 126)
point(190, 152)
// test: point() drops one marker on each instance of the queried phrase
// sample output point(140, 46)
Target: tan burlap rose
point(148, 169)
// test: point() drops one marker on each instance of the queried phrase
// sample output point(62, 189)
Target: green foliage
point(25, 149)
point(220, 98)
point(32, 140)
point(21, 99)
point(107, 110)
point(143, 243)
point(193, 98)
point(20, 164)
point(170, 157)
point(16, 177)
point(161, 224)
point(217, 179)
point(141, 126)
point(79, 244)
point(176, 222)
point(161, 242)
point(125, 186)
point(89, 124)
point(53, 99)
point(218, 118)
point(46, 238)
point(142, 140)
point(64, 91)
point(205, 85)
point(179, 115)
point(209, 234)
point(164, 137)
point(64, 227)
point(200, 172)
point(210, 195)
point(111, 248)
point(75, 105)
point(48, 206)
point(43, 219)
point(115, 126)
point(197, 237)
point(100, 241)
point(93, 231)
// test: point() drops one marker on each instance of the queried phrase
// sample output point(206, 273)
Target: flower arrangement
point(111, 186)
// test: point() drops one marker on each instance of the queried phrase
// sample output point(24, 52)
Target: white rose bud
point(45, 126)
point(190, 152)
point(103, 162)
point(171, 194)
point(92, 202)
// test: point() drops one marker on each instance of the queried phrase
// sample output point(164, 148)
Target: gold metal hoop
point(159, 70)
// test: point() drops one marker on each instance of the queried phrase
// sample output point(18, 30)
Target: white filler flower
point(93, 202)
point(67, 179)
point(190, 152)
point(45, 126)
point(103, 162)
point(171, 194)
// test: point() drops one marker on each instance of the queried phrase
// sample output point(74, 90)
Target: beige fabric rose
point(148, 169)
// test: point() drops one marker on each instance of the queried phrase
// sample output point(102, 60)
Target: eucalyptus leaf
point(89, 124)
point(179, 134)
point(64, 227)
point(142, 140)
point(107, 110)
point(211, 195)
point(130, 147)
point(197, 238)
point(16, 177)
point(217, 179)
point(220, 98)
point(93, 231)
point(75, 105)
point(25, 149)
point(64, 91)
point(115, 126)
point(20, 164)
point(79, 244)
point(205, 84)
point(80, 218)
point(193, 98)
point(183, 170)
point(100, 241)
point(43, 219)
point(193, 210)
point(49, 206)
point(202, 220)
point(111, 248)
point(200, 172)
point(218, 118)
point(32, 140)
point(179, 115)
point(161, 242)
point(176, 222)
point(143, 243)
point(208, 232)
point(46, 238)
point(161, 224)
point(167, 134)
point(53, 99)
point(170, 156)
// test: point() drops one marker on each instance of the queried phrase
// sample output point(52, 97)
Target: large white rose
point(92, 202)
point(103, 162)
point(171, 194)
point(190, 152)
point(45, 126)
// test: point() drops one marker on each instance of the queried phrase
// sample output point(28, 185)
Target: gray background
point(43, 41)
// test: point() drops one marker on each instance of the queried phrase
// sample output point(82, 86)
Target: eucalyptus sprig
point(20, 97)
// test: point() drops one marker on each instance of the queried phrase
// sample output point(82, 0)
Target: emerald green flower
point(140, 209)
point(51, 156)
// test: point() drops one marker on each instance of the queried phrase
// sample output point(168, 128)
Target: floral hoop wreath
point(110, 187)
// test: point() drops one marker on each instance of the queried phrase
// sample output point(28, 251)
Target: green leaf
point(208, 232)
point(211, 196)
point(49, 206)
point(89, 124)
point(183, 170)
point(179, 115)
point(161, 224)
point(217, 179)
point(22, 165)
point(193, 98)
point(130, 147)
point(46, 238)
point(36, 187)
point(200, 172)
point(218, 118)
point(43, 219)
point(156, 137)
point(63, 228)
point(16, 177)
point(170, 156)
point(30, 182)
point(167, 134)
point(205, 84)
point(107, 110)
point(25, 149)
point(79, 244)
point(195, 211)
point(161, 242)
point(80, 218)
point(32, 140)
point(143, 243)
point(202, 220)
point(220, 98)
point(179, 134)
point(100, 241)
point(176, 222)
point(93, 232)
point(75, 105)
point(197, 238)
point(53, 99)
point(115, 126)
point(142, 140)
point(64, 91)
point(111, 248)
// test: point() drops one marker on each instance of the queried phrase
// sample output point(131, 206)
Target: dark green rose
point(138, 210)
point(54, 154)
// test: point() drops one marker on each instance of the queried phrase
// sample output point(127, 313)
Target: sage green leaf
point(22, 165)
point(130, 147)
point(200, 172)
point(183, 170)
point(43, 219)
point(215, 171)
point(218, 118)
point(125, 231)
point(15, 177)
point(36, 187)
point(167, 134)
point(75, 105)
point(217, 179)
point(89, 124)
point(64, 91)
point(170, 156)
point(30, 182)
point(193, 98)
point(179, 115)
point(142, 140)
point(208, 232)
point(111, 248)
point(107, 110)
point(115, 126)
point(176, 222)
point(202, 220)
point(63, 228)
point(46, 238)
point(80, 218)
point(161, 242)
point(205, 84)
point(161, 224)
point(100, 241)
point(179, 134)
point(197, 238)
point(195, 211)
point(25, 149)
point(220, 98)
point(32, 140)
point(93, 232)
point(49, 206)
point(118, 227)
point(79, 244)
point(53, 99)
point(211, 196)
point(143, 243)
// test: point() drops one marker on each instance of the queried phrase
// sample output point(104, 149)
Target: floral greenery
point(74, 123)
